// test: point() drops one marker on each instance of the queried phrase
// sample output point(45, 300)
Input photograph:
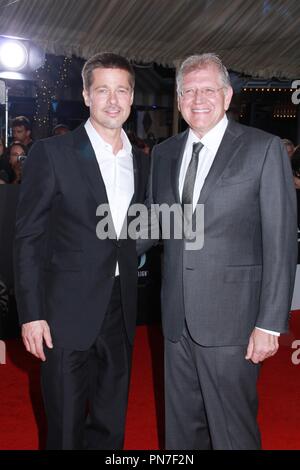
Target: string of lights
point(48, 89)
point(268, 90)
point(284, 109)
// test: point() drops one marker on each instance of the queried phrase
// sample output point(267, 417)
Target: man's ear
point(228, 97)
point(178, 104)
point(86, 97)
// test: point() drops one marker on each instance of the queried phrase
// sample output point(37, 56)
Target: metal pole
point(298, 125)
point(175, 122)
point(175, 113)
point(6, 116)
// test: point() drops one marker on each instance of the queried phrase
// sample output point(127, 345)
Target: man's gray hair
point(200, 61)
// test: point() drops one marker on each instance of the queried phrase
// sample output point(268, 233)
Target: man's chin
point(114, 124)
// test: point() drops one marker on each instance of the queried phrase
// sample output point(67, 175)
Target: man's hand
point(261, 345)
point(33, 334)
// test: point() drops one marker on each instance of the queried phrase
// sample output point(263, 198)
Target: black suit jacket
point(63, 272)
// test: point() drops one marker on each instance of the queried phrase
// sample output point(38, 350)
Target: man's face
point(200, 107)
point(109, 98)
point(21, 134)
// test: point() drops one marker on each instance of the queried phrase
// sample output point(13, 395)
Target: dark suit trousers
point(86, 392)
point(210, 396)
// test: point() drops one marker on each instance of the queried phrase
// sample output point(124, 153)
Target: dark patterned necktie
point(189, 182)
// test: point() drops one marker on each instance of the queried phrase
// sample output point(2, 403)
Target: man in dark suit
point(77, 290)
point(223, 306)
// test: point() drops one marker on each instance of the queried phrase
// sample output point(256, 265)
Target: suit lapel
point(228, 149)
point(89, 165)
point(177, 155)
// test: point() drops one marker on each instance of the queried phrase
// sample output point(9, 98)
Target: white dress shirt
point(117, 174)
point(211, 142)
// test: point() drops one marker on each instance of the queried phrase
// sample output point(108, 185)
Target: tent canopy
point(256, 37)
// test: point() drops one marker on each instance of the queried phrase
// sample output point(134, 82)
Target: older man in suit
point(223, 306)
point(76, 287)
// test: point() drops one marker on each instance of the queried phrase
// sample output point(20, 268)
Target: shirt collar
point(213, 138)
point(97, 140)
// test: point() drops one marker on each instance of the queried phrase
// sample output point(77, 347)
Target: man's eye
point(123, 91)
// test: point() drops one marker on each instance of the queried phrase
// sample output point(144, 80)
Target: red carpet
point(23, 422)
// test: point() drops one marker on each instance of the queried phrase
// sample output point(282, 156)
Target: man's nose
point(199, 94)
point(112, 96)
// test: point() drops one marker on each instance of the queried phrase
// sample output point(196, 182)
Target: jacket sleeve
point(36, 195)
point(279, 238)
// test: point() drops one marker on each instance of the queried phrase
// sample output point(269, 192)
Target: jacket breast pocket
point(65, 261)
point(237, 274)
point(232, 180)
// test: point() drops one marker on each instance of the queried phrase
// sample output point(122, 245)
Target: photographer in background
point(16, 156)
point(295, 161)
point(21, 131)
point(60, 129)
